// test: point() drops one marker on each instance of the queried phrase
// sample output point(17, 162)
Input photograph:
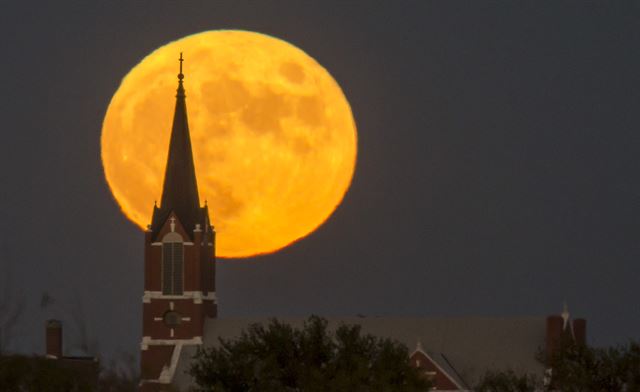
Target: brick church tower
point(179, 262)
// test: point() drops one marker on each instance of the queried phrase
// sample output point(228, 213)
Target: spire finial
point(565, 314)
point(180, 75)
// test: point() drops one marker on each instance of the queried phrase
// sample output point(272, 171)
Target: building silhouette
point(180, 304)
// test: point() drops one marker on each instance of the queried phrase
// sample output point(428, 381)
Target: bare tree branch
point(85, 342)
point(12, 303)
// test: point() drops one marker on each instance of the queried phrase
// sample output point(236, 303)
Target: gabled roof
point(470, 345)
point(180, 188)
point(442, 364)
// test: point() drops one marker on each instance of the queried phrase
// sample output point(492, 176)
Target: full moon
point(273, 137)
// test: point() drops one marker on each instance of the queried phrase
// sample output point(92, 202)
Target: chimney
point(54, 339)
point(555, 325)
point(580, 331)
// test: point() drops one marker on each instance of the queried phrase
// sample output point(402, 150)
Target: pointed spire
point(180, 188)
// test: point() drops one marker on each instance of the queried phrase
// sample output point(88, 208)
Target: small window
point(172, 319)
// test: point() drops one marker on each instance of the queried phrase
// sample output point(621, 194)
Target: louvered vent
point(172, 268)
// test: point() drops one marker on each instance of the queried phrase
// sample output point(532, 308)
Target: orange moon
point(273, 137)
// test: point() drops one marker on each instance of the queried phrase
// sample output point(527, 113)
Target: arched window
point(172, 264)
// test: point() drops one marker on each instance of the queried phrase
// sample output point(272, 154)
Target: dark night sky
point(497, 174)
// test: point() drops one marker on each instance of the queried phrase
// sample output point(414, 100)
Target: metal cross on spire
point(565, 314)
point(419, 345)
point(180, 75)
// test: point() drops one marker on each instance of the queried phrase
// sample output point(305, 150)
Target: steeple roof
point(180, 189)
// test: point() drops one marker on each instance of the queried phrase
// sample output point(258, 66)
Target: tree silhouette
point(576, 368)
point(280, 358)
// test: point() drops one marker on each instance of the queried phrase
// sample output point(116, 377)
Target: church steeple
point(180, 189)
point(179, 263)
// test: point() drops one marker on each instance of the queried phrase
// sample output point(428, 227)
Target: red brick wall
point(580, 331)
point(53, 338)
point(440, 380)
point(199, 275)
point(553, 335)
point(153, 359)
point(158, 329)
point(156, 387)
point(199, 262)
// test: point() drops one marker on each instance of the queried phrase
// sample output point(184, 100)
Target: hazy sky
point(499, 148)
